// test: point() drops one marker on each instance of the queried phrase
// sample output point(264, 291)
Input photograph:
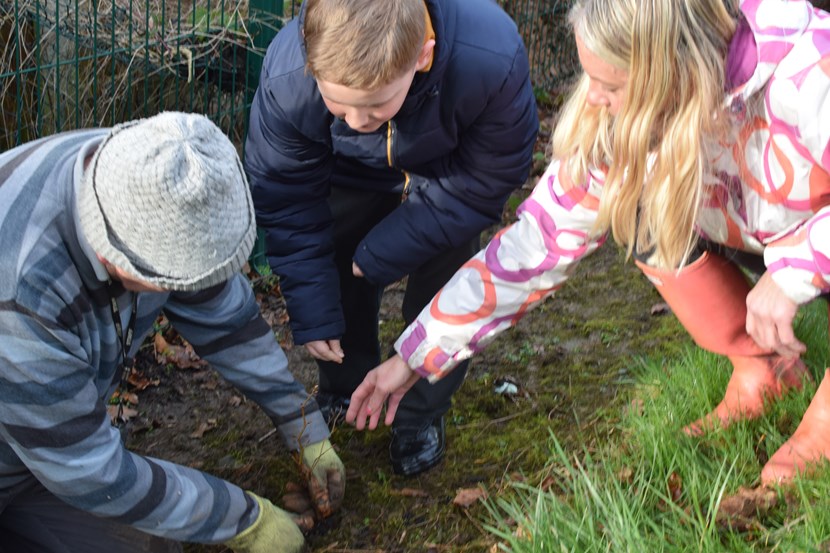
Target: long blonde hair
point(655, 149)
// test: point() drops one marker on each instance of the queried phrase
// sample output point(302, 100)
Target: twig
point(267, 435)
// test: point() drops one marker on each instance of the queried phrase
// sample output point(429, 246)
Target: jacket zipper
point(390, 137)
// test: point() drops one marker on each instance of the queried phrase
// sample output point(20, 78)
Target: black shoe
point(332, 407)
point(416, 448)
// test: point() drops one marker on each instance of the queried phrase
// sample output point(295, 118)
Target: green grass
point(651, 488)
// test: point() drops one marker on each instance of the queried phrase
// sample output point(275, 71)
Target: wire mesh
point(548, 38)
point(67, 64)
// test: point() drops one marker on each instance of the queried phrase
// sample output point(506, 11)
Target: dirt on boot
point(808, 447)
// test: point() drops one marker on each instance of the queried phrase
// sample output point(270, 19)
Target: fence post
point(264, 20)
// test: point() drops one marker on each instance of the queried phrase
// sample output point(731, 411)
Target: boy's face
point(365, 111)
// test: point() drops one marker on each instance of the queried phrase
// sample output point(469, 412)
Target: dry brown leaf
point(625, 475)
point(128, 397)
point(235, 401)
point(467, 496)
point(127, 413)
point(140, 382)
point(182, 357)
point(741, 510)
point(675, 486)
point(637, 407)
point(547, 483)
point(207, 425)
point(521, 533)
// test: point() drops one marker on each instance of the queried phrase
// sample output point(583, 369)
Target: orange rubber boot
point(808, 446)
point(709, 299)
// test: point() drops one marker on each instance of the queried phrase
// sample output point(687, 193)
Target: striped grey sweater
point(59, 354)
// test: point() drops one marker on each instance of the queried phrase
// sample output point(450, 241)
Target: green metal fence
point(67, 64)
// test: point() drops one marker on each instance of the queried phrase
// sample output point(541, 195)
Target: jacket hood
point(776, 26)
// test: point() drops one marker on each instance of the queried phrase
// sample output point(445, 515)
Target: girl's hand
point(769, 319)
point(385, 384)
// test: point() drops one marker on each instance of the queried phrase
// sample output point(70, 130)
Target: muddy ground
point(570, 359)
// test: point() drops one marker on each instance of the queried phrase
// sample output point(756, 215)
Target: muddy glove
point(326, 477)
point(272, 531)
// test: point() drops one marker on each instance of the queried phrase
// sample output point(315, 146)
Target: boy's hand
point(326, 350)
point(389, 380)
point(356, 270)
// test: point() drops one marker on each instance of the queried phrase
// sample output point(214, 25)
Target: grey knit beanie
point(166, 200)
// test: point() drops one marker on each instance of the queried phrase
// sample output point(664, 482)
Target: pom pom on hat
point(166, 200)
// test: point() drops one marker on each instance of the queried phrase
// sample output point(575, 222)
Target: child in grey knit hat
point(101, 230)
point(166, 200)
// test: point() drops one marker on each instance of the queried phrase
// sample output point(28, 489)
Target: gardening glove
point(273, 531)
point(326, 477)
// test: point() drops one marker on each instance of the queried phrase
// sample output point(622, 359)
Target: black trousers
point(356, 212)
point(751, 262)
point(32, 520)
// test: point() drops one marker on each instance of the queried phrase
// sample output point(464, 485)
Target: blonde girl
point(698, 138)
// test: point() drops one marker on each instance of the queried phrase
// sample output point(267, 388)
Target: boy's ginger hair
point(363, 44)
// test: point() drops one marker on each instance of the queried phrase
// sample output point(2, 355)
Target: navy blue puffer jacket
point(464, 138)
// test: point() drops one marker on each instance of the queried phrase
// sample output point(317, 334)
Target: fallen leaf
point(183, 357)
point(140, 382)
point(127, 397)
point(127, 413)
point(521, 533)
point(209, 424)
point(235, 401)
point(637, 407)
point(675, 486)
point(741, 510)
point(625, 475)
point(467, 496)
point(130, 397)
